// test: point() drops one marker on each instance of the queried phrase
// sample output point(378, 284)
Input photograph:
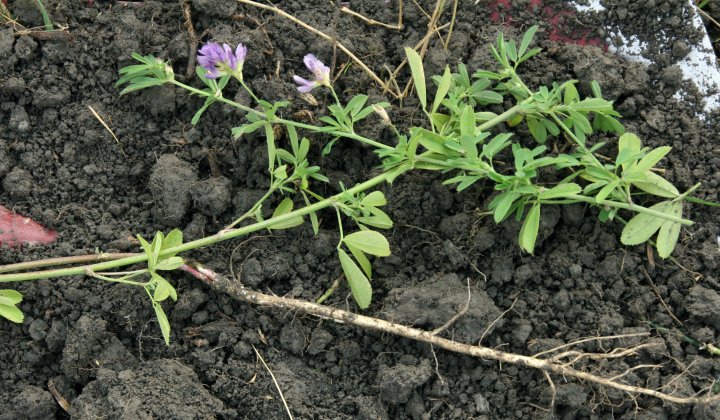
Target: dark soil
point(99, 346)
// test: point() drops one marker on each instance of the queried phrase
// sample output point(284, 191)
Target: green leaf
point(156, 246)
point(370, 241)
point(285, 207)
point(526, 40)
point(529, 229)
point(11, 313)
point(511, 50)
point(238, 132)
point(170, 263)
point(560, 191)
point(669, 231)
point(163, 321)
point(152, 258)
point(487, 97)
point(593, 105)
point(537, 129)
point(362, 260)
point(431, 141)
point(442, 90)
point(374, 199)
point(467, 121)
point(643, 226)
point(571, 94)
point(656, 185)
point(630, 142)
point(503, 205)
point(653, 157)
point(378, 219)
point(10, 297)
point(270, 138)
point(303, 150)
point(196, 118)
point(356, 104)
point(313, 217)
point(418, 74)
point(359, 284)
point(606, 191)
point(163, 288)
point(174, 238)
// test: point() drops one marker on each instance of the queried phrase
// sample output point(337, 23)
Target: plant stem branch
point(78, 259)
point(632, 207)
point(209, 240)
point(279, 120)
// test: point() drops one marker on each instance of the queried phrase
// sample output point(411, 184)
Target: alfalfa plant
point(457, 139)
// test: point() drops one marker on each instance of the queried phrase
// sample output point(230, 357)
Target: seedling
point(457, 140)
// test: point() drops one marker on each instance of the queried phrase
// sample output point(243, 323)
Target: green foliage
point(556, 164)
point(458, 143)
point(343, 119)
point(8, 305)
point(151, 72)
point(160, 258)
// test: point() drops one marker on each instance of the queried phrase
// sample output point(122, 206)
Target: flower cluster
point(220, 60)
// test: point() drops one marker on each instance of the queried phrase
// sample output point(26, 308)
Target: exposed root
point(457, 316)
point(489, 327)
point(237, 291)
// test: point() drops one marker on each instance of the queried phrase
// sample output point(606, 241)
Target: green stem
point(279, 120)
point(49, 262)
point(253, 209)
point(257, 100)
point(46, 18)
point(632, 207)
point(209, 240)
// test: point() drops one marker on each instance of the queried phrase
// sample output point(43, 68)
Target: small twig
point(403, 63)
point(496, 320)
point(710, 18)
point(452, 24)
point(62, 402)
point(192, 38)
point(657, 293)
point(96, 115)
point(398, 26)
point(324, 36)
point(457, 316)
point(277, 386)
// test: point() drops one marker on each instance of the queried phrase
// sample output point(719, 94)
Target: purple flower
point(220, 60)
point(318, 69)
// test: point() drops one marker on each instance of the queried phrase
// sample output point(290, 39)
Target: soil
point(98, 345)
